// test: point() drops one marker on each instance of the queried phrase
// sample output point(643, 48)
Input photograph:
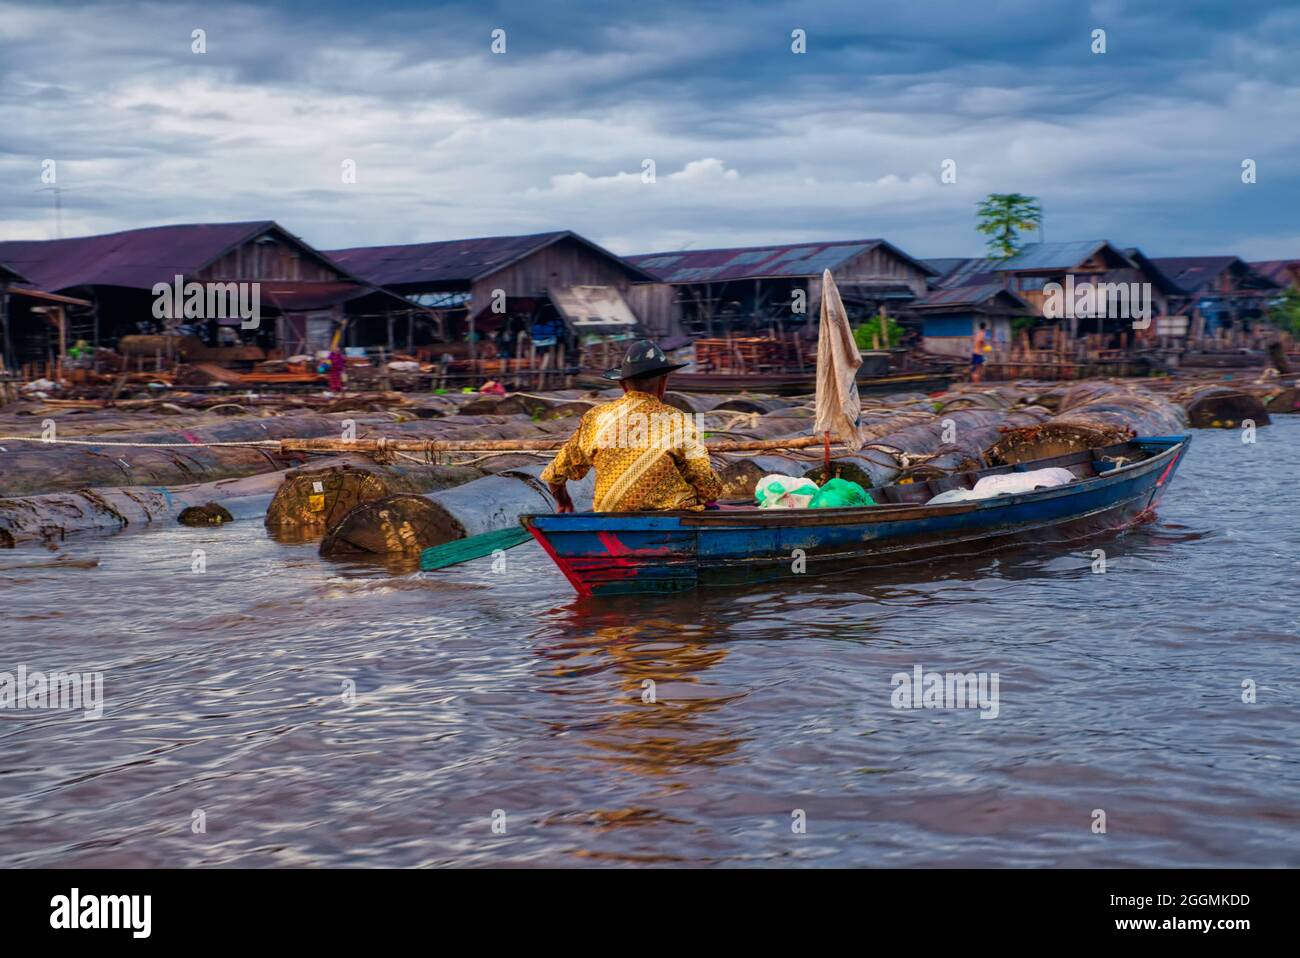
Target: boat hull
point(624, 553)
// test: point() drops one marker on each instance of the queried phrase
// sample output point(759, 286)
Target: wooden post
point(63, 339)
point(473, 346)
point(6, 361)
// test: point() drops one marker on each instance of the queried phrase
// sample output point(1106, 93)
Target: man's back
point(647, 455)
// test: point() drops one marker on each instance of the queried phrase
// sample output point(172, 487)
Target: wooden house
point(765, 290)
point(1284, 272)
point(29, 314)
point(551, 288)
point(949, 317)
point(1044, 275)
point(302, 296)
point(1219, 292)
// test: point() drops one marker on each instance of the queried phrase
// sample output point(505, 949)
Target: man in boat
point(647, 455)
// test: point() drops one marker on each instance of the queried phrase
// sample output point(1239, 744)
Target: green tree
point(1286, 314)
point(878, 329)
point(1003, 216)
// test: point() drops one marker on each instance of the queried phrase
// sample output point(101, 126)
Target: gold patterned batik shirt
point(647, 455)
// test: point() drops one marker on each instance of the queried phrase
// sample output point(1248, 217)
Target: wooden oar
point(474, 547)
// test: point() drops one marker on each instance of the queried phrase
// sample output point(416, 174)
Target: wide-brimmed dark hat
point(643, 358)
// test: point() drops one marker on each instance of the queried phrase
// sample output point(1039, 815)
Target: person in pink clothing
point(338, 362)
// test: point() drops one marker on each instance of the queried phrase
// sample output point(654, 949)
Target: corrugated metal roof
point(981, 270)
point(10, 275)
point(1147, 267)
point(1057, 255)
point(132, 258)
point(1192, 273)
point(760, 262)
point(967, 296)
point(944, 265)
point(298, 295)
point(447, 261)
point(976, 271)
point(1284, 272)
point(454, 261)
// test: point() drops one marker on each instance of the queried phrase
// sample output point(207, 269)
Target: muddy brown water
point(492, 695)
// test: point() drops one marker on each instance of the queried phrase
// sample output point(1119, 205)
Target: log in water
point(57, 515)
point(1285, 401)
point(1092, 415)
point(405, 524)
point(311, 501)
point(1223, 407)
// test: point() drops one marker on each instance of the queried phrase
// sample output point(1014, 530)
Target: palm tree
point(1002, 216)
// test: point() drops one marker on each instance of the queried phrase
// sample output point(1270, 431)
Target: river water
point(278, 709)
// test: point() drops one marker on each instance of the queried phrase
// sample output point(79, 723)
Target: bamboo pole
point(369, 446)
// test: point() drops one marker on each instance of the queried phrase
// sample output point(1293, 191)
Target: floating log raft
point(33, 467)
point(57, 515)
point(755, 404)
point(970, 445)
point(435, 446)
point(881, 459)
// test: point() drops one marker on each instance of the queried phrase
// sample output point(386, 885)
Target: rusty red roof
point(761, 262)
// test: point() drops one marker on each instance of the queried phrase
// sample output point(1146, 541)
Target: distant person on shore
point(979, 348)
point(338, 364)
point(503, 344)
point(647, 454)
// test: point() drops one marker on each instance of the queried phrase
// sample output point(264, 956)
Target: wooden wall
point(877, 265)
point(269, 257)
point(565, 263)
point(570, 263)
point(655, 305)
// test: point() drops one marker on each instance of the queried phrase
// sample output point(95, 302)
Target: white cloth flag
point(839, 410)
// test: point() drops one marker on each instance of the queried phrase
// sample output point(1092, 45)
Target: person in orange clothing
point(979, 347)
point(647, 454)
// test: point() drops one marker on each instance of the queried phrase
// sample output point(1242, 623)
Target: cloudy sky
point(751, 142)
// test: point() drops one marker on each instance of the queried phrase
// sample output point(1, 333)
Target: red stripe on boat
point(1165, 475)
point(578, 584)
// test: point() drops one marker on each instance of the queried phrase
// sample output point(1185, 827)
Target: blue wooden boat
point(617, 553)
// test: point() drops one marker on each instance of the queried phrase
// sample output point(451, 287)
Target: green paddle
point(474, 547)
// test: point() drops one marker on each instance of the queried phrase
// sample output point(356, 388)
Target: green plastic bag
point(788, 492)
point(841, 494)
